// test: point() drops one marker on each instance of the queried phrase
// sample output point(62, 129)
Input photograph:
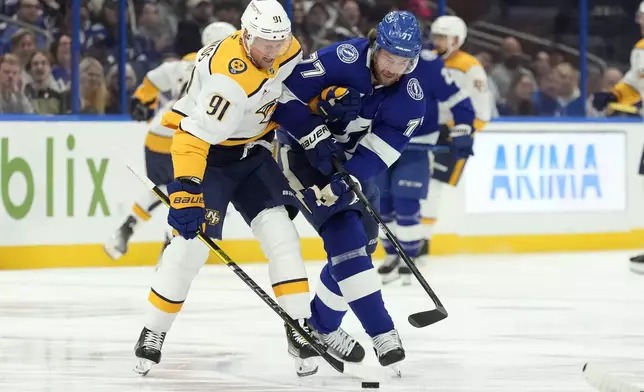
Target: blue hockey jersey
point(438, 86)
point(388, 116)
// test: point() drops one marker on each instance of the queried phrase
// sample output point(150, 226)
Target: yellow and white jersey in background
point(469, 75)
point(630, 89)
point(170, 77)
point(228, 100)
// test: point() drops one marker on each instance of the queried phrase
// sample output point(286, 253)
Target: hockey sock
point(142, 208)
point(179, 265)
point(349, 264)
point(280, 242)
point(408, 228)
point(388, 216)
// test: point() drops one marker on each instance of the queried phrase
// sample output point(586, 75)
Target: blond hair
point(96, 99)
point(10, 59)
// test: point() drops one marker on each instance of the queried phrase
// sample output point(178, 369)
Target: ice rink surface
point(517, 323)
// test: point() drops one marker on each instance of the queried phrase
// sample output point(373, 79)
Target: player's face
point(388, 68)
point(440, 43)
point(264, 52)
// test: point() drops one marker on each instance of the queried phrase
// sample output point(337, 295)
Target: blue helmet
point(399, 33)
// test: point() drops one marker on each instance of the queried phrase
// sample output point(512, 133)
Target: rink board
point(531, 186)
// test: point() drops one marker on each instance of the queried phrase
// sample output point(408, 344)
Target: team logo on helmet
point(391, 17)
point(347, 53)
point(414, 90)
point(237, 66)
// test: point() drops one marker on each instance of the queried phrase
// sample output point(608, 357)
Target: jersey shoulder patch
point(414, 89)
point(190, 57)
point(640, 44)
point(462, 61)
point(229, 59)
point(347, 53)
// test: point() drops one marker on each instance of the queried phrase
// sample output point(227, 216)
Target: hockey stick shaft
point(320, 349)
point(418, 320)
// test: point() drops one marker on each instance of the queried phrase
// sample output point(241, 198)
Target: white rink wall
point(530, 186)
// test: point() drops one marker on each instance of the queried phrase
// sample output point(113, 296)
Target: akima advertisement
point(547, 172)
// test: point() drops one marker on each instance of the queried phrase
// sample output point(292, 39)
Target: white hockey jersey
point(169, 78)
point(469, 75)
point(228, 100)
point(630, 89)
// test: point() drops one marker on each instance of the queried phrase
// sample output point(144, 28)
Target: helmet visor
point(270, 48)
point(392, 63)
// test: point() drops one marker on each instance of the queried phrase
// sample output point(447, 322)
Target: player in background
point(628, 92)
point(406, 183)
point(221, 154)
point(168, 78)
point(448, 35)
point(370, 118)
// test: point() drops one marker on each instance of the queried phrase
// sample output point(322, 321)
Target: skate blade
point(143, 366)
point(637, 268)
point(406, 280)
point(390, 277)
point(305, 367)
point(113, 253)
point(421, 261)
point(396, 369)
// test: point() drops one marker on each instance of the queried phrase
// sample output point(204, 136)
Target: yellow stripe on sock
point(164, 304)
point(428, 221)
point(291, 287)
point(140, 212)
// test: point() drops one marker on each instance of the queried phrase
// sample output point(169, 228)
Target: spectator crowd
point(36, 47)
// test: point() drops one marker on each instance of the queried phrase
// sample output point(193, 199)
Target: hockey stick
point(604, 382)
point(319, 348)
point(421, 319)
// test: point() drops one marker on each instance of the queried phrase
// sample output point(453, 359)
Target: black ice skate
point(116, 246)
point(148, 350)
point(389, 350)
point(637, 264)
point(388, 270)
point(423, 253)
point(301, 351)
point(342, 345)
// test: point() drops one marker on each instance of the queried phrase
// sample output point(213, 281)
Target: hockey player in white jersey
point(628, 92)
point(168, 78)
point(448, 35)
point(221, 154)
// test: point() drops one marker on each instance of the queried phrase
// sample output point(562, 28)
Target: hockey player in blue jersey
point(406, 183)
point(372, 105)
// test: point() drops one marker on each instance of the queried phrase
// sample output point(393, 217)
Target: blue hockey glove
point(602, 99)
point(336, 195)
point(187, 210)
point(461, 141)
point(338, 104)
point(319, 147)
point(141, 111)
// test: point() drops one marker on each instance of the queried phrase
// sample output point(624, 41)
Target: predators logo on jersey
point(267, 111)
point(237, 66)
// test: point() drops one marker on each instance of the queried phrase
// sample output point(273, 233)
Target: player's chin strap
point(418, 320)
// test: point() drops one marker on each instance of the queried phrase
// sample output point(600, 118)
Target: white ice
point(516, 323)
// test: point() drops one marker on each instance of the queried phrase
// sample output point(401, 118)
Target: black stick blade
point(423, 319)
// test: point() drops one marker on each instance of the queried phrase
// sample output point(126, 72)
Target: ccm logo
point(313, 138)
point(188, 200)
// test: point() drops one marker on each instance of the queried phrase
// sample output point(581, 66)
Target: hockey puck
point(372, 385)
